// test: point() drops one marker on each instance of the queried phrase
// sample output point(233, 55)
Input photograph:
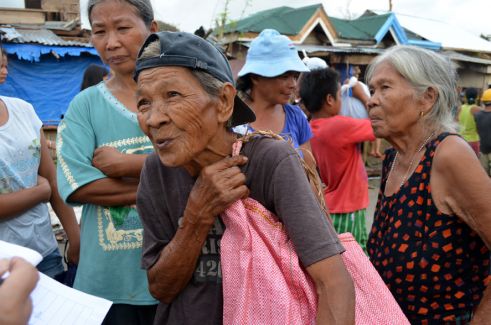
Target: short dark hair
point(471, 95)
point(316, 85)
point(93, 75)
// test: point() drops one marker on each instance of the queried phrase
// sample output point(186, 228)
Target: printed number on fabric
point(208, 268)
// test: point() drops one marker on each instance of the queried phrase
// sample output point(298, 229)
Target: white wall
point(12, 3)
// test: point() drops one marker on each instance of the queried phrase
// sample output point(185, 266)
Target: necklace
point(411, 162)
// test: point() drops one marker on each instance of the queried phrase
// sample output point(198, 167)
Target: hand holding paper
point(52, 302)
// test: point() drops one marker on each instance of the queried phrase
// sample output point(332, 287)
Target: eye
point(172, 93)
point(123, 28)
point(98, 32)
point(143, 105)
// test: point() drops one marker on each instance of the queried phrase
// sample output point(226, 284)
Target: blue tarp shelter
point(46, 76)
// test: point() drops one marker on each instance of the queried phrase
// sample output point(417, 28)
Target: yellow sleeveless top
point(467, 123)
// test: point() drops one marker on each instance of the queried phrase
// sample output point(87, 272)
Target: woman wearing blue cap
point(267, 82)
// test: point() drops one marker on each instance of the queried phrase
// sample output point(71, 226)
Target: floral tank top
point(433, 263)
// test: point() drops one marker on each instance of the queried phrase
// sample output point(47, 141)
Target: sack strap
point(236, 147)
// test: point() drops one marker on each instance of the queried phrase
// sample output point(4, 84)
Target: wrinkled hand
point(15, 302)
point(217, 186)
point(109, 161)
point(44, 188)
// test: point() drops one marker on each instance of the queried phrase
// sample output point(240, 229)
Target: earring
point(421, 114)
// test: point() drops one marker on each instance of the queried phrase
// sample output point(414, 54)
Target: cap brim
point(270, 68)
point(242, 114)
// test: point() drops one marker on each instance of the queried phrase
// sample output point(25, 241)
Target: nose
point(112, 41)
point(157, 116)
point(372, 101)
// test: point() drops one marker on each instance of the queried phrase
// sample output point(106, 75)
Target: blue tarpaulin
point(49, 84)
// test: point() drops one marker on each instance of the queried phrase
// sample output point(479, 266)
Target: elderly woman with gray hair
point(432, 226)
point(187, 105)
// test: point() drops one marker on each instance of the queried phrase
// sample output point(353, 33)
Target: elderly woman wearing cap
point(432, 226)
point(187, 105)
point(268, 82)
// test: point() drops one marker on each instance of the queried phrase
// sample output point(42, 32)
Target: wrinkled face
point(276, 90)
point(3, 67)
point(176, 113)
point(394, 106)
point(117, 34)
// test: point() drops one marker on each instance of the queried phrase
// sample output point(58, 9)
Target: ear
point(154, 27)
point(329, 100)
point(428, 99)
point(225, 105)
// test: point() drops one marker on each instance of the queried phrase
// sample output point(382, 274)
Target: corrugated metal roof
point(40, 36)
point(451, 36)
point(362, 28)
point(465, 58)
point(286, 20)
point(335, 49)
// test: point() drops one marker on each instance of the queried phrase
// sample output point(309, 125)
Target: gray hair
point(423, 69)
point(143, 8)
point(210, 84)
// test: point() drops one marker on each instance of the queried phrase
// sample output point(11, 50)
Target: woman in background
point(268, 82)
point(101, 151)
point(27, 183)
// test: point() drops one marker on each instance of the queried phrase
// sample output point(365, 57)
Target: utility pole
point(390, 5)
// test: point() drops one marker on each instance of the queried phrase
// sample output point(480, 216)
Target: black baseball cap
point(193, 52)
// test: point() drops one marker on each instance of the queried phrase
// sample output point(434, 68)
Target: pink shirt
point(336, 150)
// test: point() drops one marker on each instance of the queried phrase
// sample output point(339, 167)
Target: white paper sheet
point(54, 303)
point(8, 250)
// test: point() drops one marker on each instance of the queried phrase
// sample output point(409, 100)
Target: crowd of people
point(148, 150)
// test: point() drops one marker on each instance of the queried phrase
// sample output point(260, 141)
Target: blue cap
point(193, 52)
point(272, 54)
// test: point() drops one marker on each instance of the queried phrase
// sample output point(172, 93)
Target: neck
point(122, 81)
point(260, 104)
point(324, 112)
point(219, 147)
point(408, 142)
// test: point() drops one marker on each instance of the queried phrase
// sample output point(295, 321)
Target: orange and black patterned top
point(433, 263)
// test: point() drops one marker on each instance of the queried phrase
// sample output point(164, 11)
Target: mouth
point(163, 143)
point(117, 59)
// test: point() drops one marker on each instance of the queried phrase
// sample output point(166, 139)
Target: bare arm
point(218, 186)
point(107, 192)
point(335, 290)
point(64, 212)
point(15, 303)
point(15, 203)
point(475, 110)
point(116, 164)
point(360, 94)
point(461, 187)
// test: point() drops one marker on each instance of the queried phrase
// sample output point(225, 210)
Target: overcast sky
point(188, 15)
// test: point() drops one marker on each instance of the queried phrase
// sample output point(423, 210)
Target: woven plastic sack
point(263, 282)
point(374, 301)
